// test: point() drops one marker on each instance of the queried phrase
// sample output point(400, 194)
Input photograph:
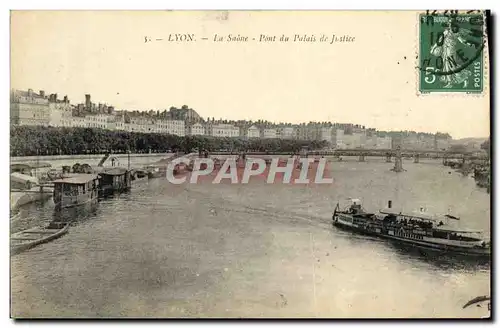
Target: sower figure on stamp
point(446, 48)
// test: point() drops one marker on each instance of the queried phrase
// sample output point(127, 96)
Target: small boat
point(155, 172)
point(416, 230)
point(30, 238)
point(139, 174)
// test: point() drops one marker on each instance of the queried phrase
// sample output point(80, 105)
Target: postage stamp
point(451, 52)
point(239, 164)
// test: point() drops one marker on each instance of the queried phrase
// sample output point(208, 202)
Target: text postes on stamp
point(451, 50)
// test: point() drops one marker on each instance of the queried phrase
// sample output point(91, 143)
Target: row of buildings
point(39, 109)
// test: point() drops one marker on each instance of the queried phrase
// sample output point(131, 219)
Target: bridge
point(387, 153)
point(404, 153)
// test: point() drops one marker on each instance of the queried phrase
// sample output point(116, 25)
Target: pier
point(398, 161)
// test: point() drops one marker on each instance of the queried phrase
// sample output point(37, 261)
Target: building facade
point(78, 122)
point(326, 134)
point(288, 132)
point(253, 132)
point(339, 139)
point(38, 109)
point(100, 121)
point(29, 108)
point(196, 129)
point(223, 130)
point(61, 112)
point(269, 133)
point(176, 127)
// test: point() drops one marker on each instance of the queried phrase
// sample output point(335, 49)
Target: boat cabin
point(421, 220)
point(115, 180)
point(355, 207)
point(460, 235)
point(354, 214)
point(75, 189)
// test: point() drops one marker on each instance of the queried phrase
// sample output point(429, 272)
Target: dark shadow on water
point(31, 215)
point(42, 213)
point(440, 260)
point(75, 215)
point(114, 195)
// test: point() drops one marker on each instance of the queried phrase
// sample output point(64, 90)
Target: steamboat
point(419, 231)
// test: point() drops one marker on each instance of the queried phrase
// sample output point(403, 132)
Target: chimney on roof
point(42, 93)
point(87, 101)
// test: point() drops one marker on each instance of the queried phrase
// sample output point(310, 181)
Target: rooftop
point(414, 215)
point(76, 178)
point(115, 171)
point(24, 93)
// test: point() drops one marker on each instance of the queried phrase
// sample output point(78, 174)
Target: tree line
point(36, 140)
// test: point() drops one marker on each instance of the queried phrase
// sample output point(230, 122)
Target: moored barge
point(75, 190)
point(117, 179)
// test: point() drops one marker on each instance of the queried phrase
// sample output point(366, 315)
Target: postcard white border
point(186, 4)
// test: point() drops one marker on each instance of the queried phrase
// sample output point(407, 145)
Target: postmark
point(451, 52)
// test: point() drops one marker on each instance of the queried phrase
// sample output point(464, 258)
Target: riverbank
point(20, 198)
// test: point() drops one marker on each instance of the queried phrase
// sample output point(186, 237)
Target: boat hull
point(413, 243)
point(20, 247)
point(156, 174)
point(80, 203)
point(111, 191)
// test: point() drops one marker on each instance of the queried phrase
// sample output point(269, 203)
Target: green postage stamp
point(451, 52)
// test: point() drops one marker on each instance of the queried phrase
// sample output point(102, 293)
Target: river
point(254, 250)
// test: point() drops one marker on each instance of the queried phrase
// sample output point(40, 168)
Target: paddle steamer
point(417, 230)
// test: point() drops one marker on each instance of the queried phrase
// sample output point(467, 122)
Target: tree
point(459, 148)
point(486, 146)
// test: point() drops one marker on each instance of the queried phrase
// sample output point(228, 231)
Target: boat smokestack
point(389, 204)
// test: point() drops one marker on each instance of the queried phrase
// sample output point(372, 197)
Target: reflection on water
point(252, 250)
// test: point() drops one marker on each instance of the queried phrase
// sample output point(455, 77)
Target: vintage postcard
point(250, 164)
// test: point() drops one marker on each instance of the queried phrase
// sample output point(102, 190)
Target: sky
point(371, 81)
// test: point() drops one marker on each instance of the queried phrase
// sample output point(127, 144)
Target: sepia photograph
point(171, 164)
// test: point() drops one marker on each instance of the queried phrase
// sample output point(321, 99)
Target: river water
point(255, 250)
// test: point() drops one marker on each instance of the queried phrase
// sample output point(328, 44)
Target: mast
point(37, 163)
